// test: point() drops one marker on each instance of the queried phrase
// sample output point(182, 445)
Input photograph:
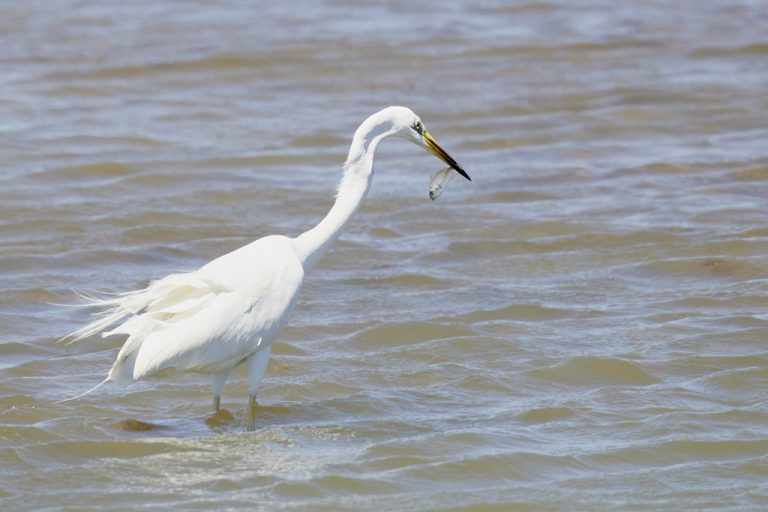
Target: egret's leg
point(217, 384)
point(252, 406)
point(257, 367)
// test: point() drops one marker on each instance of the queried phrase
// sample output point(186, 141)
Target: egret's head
point(406, 124)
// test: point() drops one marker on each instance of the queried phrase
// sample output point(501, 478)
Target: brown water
point(582, 327)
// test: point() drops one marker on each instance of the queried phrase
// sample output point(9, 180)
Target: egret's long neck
point(355, 182)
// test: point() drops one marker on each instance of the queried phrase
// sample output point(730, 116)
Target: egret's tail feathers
point(110, 314)
point(97, 326)
point(113, 307)
point(174, 296)
point(94, 388)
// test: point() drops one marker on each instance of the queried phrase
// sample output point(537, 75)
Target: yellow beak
point(440, 153)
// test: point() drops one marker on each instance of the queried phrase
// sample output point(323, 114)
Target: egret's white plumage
point(230, 310)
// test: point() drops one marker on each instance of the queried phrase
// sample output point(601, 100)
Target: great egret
point(230, 310)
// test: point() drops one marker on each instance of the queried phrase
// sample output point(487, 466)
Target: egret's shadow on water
point(227, 421)
point(220, 421)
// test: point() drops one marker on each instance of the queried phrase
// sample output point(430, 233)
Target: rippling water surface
point(582, 327)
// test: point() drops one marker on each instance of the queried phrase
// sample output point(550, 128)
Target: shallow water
point(582, 327)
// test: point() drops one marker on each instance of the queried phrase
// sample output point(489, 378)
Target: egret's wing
point(210, 340)
point(221, 329)
point(155, 309)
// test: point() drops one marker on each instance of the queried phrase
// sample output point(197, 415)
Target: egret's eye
point(418, 126)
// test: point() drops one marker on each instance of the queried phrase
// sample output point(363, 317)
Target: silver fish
point(439, 181)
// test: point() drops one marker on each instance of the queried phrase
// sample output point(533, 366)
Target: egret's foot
point(132, 425)
point(219, 419)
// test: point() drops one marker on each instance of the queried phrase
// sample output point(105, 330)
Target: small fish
point(439, 181)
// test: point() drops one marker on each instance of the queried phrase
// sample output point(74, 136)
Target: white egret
point(230, 310)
